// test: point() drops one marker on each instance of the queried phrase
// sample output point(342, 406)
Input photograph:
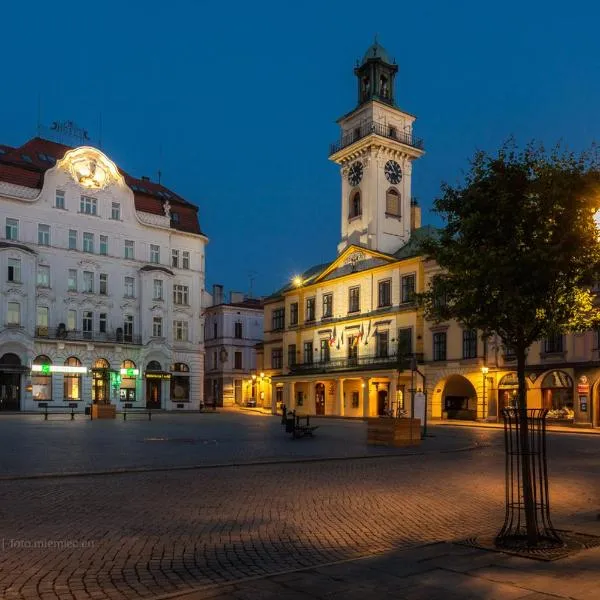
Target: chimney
point(217, 294)
point(415, 214)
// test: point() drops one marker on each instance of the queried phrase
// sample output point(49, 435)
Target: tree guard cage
point(522, 450)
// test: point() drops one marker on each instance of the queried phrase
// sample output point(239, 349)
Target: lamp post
point(484, 372)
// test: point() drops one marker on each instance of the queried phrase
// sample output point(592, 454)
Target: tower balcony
point(358, 363)
point(370, 128)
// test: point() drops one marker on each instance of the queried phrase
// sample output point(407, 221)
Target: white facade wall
point(143, 229)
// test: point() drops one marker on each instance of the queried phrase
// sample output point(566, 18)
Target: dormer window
point(175, 218)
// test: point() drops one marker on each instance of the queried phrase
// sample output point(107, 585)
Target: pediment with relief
point(353, 260)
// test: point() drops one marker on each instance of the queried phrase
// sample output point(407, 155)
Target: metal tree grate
point(525, 445)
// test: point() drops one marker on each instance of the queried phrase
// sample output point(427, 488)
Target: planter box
point(384, 431)
point(104, 411)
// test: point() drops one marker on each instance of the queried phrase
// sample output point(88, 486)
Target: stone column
point(311, 408)
point(339, 402)
point(366, 408)
point(291, 396)
point(273, 399)
point(393, 392)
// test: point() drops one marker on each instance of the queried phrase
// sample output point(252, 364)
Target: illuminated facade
point(232, 331)
point(102, 276)
point(344, 338)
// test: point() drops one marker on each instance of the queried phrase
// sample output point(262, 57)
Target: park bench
point(64, 409)
point(128, 408)
point(295, 426)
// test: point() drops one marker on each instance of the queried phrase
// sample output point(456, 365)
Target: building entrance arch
point(10, 381)
point(459, 399)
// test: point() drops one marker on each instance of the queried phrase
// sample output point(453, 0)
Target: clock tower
point(375, 153)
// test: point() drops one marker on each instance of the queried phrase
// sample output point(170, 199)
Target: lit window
point(13, 313)
point(71, 320)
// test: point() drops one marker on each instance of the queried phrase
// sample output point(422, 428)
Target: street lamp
point(484, 372)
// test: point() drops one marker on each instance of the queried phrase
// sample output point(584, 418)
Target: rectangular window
point(41, 320)
point(44, 235)
point(88, 324)
point(354, 299)
point(129, 249)
point(128, 328)
point(310, 309)
point(237, 333)
point(407, 288)
point(175, 258)
point(554, 343)
point(180, 331)
point(129, 287)
point(88, 206)
point(104, 284)
point(181, 294)
point(308, 353)
point(71, 320)
point(324, 351)
point(299, 398)
point(185, 260)
point(13, 313)
point(154, 253)
point(439, 345)
point(353, 349)
point(294, 313)
point(72, 239)
point(72, 280)
point(291, 355)
point(158, 289)
point(157, 324)
point(214, 360)
point(43, 276)
point(276, 358)
point(355, 400)
point(469, 343)
point(381, 344)
point(278, 319)
point(104, 245)
point(384, 289)
point(102, 323)
point(115, 211)
point(12, 229)
point(327, 305)
point(88, 242)
point(88, 282)
point(14, 270)
point(405, 341)
point(237, 360)
point(59, 199)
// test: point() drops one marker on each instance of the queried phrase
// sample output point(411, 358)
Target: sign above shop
point(47, 369)
point(130, 372)
point(150, 375)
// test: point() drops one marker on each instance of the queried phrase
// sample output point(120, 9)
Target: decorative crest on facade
point(90, 168)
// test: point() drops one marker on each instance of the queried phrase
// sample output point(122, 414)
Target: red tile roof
point(27, 164)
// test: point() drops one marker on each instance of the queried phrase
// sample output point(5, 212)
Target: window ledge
point(14, 282)
point(393, 216)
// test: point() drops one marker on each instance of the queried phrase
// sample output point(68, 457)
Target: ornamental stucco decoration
point(90, 168)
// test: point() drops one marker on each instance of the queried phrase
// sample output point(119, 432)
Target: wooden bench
point(132, 410)
point(294, 426)
point(58, 409)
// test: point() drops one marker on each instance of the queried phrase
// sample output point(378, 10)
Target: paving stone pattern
point(147, 534)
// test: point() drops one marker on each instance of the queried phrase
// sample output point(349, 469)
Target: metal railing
point(359, 362)
point(118, 336)
point(379, 129)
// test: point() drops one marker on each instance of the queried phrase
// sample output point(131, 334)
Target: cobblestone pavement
point(148, 534)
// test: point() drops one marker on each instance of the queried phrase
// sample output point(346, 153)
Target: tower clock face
point(355, 173)
point(393, 172)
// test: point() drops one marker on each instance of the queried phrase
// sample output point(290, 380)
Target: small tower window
point(392, 202)
point(383, 87)
point(355, 205)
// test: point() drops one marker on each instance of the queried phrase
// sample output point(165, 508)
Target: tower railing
point(387, 131)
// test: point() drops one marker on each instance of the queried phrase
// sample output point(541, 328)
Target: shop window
point(127, 391)
point(180, 383)
point(72, 381)
point(557, 395)
point(42, 381)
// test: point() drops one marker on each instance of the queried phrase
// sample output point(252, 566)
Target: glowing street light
point(484, 372)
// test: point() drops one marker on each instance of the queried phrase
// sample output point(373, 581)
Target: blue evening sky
point(242, 97)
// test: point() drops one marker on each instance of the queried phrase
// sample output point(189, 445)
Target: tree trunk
point(526, 470)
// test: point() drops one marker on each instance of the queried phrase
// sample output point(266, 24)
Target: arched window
point(392, 202)
point(355, 205)
point(101, 363)
point(153, 365)
point(180, 383)
point(72, 381)
point(42, 381)
point(127, 391)
point(557, 395)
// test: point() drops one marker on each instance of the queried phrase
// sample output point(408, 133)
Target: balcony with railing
point(357, 363)
point(372, 127)
point(118, 336)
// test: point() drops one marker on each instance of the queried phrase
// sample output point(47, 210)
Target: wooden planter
point(385, 431)
point(104, 411)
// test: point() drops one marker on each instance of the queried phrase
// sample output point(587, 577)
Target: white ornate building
point(102, 277)
point(232, 330)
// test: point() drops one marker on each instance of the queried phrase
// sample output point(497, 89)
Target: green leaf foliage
point(520, 249)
